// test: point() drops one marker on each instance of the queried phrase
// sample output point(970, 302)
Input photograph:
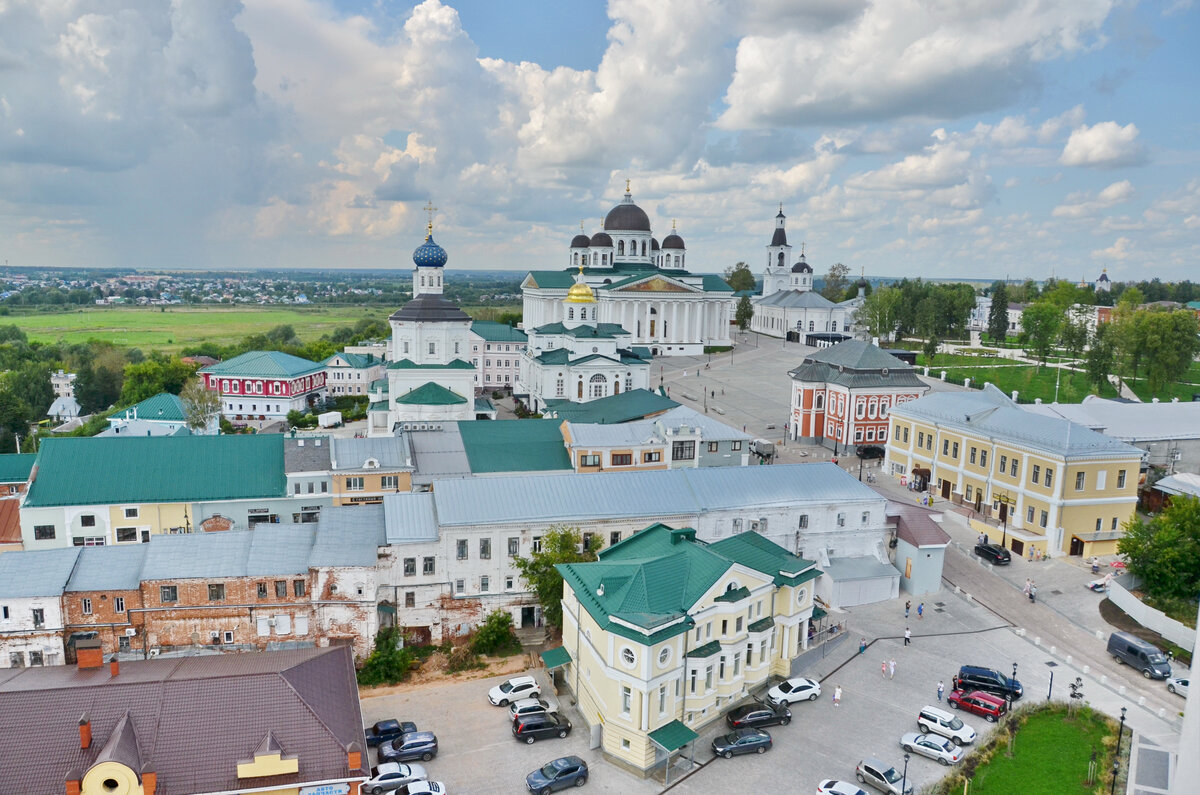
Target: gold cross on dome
point(627, 186)
point(429, 211)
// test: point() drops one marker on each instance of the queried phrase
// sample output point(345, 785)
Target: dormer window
point(371, 463)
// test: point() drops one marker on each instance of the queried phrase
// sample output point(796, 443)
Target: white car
point(514, 689)
point(1178, 685)
point(530, 706)
point(835, 787)
point(792, 690)
point(933, 746)
point(932, 719)
point(391, 776)
point(423, 788)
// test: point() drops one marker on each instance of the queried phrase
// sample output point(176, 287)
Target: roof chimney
point(85, 731)
point(114, 666)
point(88, 654)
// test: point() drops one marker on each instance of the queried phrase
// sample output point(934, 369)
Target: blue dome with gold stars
point(430, 254)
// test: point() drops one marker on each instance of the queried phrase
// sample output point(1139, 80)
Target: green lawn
point(1182, 391)
point(1030, 382)
point(945, 360)
point(1051, 757)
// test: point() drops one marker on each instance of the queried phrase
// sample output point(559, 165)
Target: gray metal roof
point(439, 454)
point(306, 454)
point(43, 572)
point(390, 452)
point(1185, 483)
point(644, 431)
point(712, 430)
point(854, 363)
point(109, 568)
point(795, 299)
point(844, 569)
point(280, 549)
point(197, 555)
point(142, 428)
point(348, 536)
point(992, 414)
point(410, 518)
point(1129, 422)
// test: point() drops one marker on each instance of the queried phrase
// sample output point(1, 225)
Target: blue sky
point(903, 137)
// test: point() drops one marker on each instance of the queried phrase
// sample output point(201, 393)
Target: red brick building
point(261, 386)
point(841, 395)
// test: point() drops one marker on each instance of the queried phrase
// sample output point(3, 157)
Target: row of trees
point(912, 307)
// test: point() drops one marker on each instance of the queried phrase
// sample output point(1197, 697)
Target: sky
point(932, 138)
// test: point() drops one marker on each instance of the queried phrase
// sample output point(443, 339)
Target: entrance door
point(527, 617)
point(1018, 547)
point(653, 323)
point(945, 489)
point(1076, 545)
point(978, 501)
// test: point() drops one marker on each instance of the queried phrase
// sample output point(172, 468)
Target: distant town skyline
point(903, 138)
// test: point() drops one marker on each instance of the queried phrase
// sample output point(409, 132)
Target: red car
point(981, 703)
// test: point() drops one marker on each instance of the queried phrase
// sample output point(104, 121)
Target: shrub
point(387, 664)
point(495, 636)
point(463, 658)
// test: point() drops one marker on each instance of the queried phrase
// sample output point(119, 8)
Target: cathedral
point(639, 284)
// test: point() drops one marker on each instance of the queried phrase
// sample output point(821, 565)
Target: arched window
point(811, 325)
point(834, 326)
point(604, 260)
point(676, 260)
point(820, 404)
point(620, 248)
point(643, 248)
point(585, 260)
point(422, 280)
point(781, 259)
point(579, 389)
point(575, 258)
point(599, 385)
point(570, 313)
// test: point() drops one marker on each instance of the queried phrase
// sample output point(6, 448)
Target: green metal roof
point(734, 595)
point(673, 736)
point(379, 405)
point(497, 332)
point(628, 273)
point(431, 394)
point(762, 624)
point(601, 331)
point(356, 360)
point(553, 658)
point(164, 407)
point(707, 650)
point(266, 364)
point(15, 468)
point(765, 556)
point(632, 405)
point(379, 385)
point(409, 364)
point(145, 469)
point(515, 446)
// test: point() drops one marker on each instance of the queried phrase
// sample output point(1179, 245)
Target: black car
point(544, 724)
point(742, 741)
point(755, 715)
point(976, 677)
point(388, 730)
point(414, 745)
point(567, 771)
point(869, 451)
point(995, 553)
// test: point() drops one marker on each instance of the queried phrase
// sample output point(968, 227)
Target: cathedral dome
point(430, 254)
point(627, 217)
point(579, 241)
point(580, 293)
point(601, 240)
point(673, 241)
point(654, 244)
point(801, 266)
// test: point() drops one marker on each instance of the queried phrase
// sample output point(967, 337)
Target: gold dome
point(580, 293)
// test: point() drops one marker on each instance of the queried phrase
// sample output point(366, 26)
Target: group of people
point(920, 609)
point(1030, 590)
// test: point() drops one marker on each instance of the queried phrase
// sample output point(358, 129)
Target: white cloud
point(1120, 250)
point(943, 166)
point(1105, 145)
point(1082, 204)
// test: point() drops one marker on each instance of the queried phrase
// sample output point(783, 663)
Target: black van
point(975, 677)
point(1142, 655)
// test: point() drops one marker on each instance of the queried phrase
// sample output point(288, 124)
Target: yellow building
point(1058, 486)
point(665, 632)
point(365, 470)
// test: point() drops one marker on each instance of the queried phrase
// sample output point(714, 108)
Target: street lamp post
point(904, 778)
point(1006, 502)
point(1117, 756)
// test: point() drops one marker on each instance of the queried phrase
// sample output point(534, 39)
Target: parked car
point(758, 714)
point(414, 745)
point(1178, 685)
point(388, 730)
point(423, 788)
point(942, 749)
point(978, 702)
point(1141, 654)
point(932, 719)
point(869, 451)
point(882, 776)
point(790, 691)
point(566, 771)
point(529, 728)
point(994, 553)
point(989, 680)
point(531, 706)
point(391, 776)
point(514, 689)
point(832, 786)
point(742, 741)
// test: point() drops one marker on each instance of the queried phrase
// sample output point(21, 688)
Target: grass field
point(148, 328)
point(1030, 382)
point(945, 360)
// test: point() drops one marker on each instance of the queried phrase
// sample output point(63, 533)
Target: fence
point(1179, 634)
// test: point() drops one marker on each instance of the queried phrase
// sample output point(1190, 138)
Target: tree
point(1164, 552)
point(495, 635)
point(836, 282)
point(152, 376)
point(740, 278)
point(1074, 332)
point(560, 544)
point(390, 661)
point(1169, 344)
point(880, 312)
point(997, 325)
point(200, 404)
point(1040, 322)
point(1101, 356)
point(744, 313)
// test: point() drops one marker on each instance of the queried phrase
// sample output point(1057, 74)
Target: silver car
point(882, 776)
point(529, 706)
point(1178, 685)
point(933, 746)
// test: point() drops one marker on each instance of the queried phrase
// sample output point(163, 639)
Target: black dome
point(801, 266)
point(862, 282)
point(654, 244)
point(579, 241)
point(627, 217)
point(779, 238)
point(672, 241)
point(601, 239)
point(430, 308)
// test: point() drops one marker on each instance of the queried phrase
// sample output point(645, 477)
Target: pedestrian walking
point(1028, 585)
point(837, 696)
point(920, 611)
point(883, 669)
point(892, 668)
point(941, 689)
point(862, 645)
point(907, 607)
point(907, 636)
point(1033, 593)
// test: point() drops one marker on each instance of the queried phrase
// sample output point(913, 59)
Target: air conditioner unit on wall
point(130, 632)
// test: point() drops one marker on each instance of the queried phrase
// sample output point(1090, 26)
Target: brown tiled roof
point(10, 521)
point(916, 526)
point(189, 720)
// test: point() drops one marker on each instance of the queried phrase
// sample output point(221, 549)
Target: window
point(662, 699)
point(589, 460)
point(410, 598)
point(1120, 479)
point(390, 482)
point(216, 592)
point(970, 493)
point(1012, 470)
point(432, 348)
point(973, 454)
point(737, 663)
point(462, 549)
point(1037, 473)
point(708, 678)
point(485, 549)
point(262, 590)
point(692, 680)
point(737, 627)
point(85, 606)
point(281, 589)
point(866, 518)
point(628, 657)
point(298, 588)
point(803, 521)
point(983, 458)
point(427, 565)
point(1114, 523)
point(737, 525)
point(1049, 477)
point(537, 543)
point(683, 451)
point(712, 447)
point(87, 520)
point(1003, 463)
point(410, 567)
point(626, 699)
point(509, 582)
point(651, 457)
point(460, 586)
point(119, 604)
point(614, 538)
point(43, 532)
point(920, 438)
point(841, 520)
point(354, 484)
point(126, 534)
point(514, 546)
point(485, 584)
point(622, 459)
point(168, 594)
point(1029, 514)
point(945, 447)
point(131, 513)
point(1043, 519)
point(1080, 479)
point(954, 450)
point(721, 673)
point(1099, 524)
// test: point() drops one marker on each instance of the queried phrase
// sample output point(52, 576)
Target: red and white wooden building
point(841, 395)
point(262, 386)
